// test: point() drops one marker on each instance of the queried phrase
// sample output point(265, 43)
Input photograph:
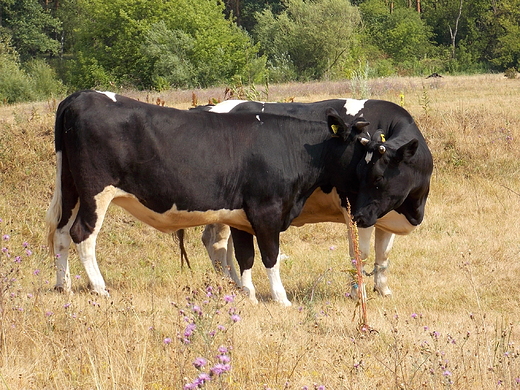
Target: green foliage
point(170, 52)
point(155, 44)
point(309, 39)
point(401, 35)
point(36, 81)
point(506, 53)
point(31, 27)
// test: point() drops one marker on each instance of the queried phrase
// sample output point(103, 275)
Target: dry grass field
point(453, 321)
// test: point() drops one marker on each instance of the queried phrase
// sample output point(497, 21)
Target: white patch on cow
point(110, 95)
point(368, 157)
point(226, 106)
point(396, 223)
point(175, 219)
point(277, 289)
point(258, 118)
point(247, 285)
point(353, 106)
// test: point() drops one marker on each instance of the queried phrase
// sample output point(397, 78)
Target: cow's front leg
point(277, 289)
point(383, 244)
point(245, 254)
point(364, 236)
point(269, 245)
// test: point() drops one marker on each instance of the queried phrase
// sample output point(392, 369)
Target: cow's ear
point(407, 151)
point(337, 125)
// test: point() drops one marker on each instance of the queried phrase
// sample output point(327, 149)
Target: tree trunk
point(453, 33)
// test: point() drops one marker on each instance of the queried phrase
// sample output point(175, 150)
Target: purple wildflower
point(229, 298)
point(224, 358)
point(190, 328)
point(220, 369)
point(6, 237)
point(235, 318)
point(167, 340)
point(223, 349)
point(36, 272)
point(200, 362)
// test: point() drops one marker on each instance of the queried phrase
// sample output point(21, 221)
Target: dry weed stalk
point(362, 295)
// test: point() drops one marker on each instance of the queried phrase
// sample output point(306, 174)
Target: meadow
point(453, 321)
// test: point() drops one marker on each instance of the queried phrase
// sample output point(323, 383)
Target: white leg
point(277, 289)
point(62, 242)
point(61, 249)
point(230, 261)
point(247, 285)
point(87, 254)
point(364, 236)
point(383, 245)
point(215, 239)
point(87, 248)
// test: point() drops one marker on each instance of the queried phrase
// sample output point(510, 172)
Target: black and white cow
point(175, 169)
point(402, 163)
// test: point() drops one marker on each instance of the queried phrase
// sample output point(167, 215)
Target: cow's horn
point(364, 141)
point(382, 149)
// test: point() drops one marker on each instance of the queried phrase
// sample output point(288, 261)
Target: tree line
point(51, 46)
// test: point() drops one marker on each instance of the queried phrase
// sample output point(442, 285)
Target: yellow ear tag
point(334, 128)
point(383, 139)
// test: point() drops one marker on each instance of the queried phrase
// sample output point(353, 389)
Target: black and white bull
point(175, 169)
point(398, 162)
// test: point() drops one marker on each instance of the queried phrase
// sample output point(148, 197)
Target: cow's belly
point(396, 223)
point(175, 219)
point(320, 207)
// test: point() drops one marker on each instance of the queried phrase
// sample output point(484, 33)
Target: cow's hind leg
point(383, 244)
point(216, 239)
point(84, 233)
point(61, 251)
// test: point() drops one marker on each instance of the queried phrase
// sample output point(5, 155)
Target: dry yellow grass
point(453, 321)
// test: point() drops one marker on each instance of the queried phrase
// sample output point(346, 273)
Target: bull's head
point(386, 176)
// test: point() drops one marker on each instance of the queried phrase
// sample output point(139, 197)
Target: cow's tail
point(54, 213)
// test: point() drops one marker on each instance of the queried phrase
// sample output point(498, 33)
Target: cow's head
point(339, 128)
point(386, 176)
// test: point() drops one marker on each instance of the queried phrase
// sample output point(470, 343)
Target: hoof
point(62, 290)
point(101, 293)
point(384, 292)
point(285, 303)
